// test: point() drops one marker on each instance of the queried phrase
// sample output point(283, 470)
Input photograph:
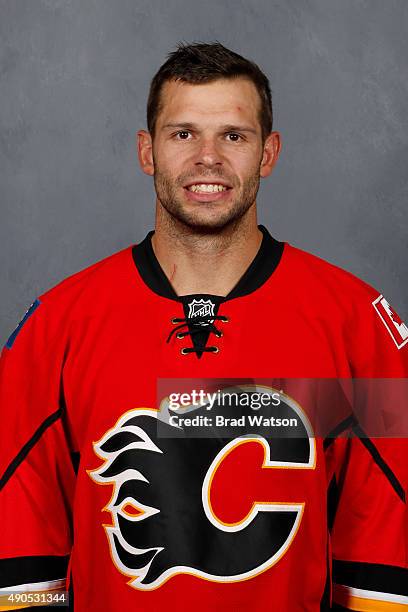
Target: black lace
point(197, 326)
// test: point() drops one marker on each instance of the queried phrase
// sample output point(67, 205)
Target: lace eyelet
point(219, 334)
point(215, 349)
point(184, 351)
point(180, 335)
point(225, 319)
point(174, 320)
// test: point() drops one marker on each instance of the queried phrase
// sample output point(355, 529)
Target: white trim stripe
point(379, 596)
point(51, 585)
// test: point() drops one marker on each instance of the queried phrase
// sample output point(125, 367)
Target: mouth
point(207, 192)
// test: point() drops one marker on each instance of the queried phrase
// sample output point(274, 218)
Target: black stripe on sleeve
point(19, 458)
point(325, 601)
point(333, 496)
point(71, 595)
point(352, 422)
point(371, 576)
point(374, 452)
point(339, 429)
point(75, 458)
point(24, 570)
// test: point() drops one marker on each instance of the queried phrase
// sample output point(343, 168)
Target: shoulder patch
point(27, 315)
point(396, 328)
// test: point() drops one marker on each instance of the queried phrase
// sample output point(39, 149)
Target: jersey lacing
point(196, 323)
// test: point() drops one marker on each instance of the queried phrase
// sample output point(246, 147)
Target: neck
point(205, 263)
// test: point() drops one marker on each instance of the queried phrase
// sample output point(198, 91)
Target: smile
point(206, 188)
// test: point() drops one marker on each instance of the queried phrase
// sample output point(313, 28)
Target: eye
point(233, 136)
point(182, 135)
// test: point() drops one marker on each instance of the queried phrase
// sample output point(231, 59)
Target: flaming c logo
point(212, 507)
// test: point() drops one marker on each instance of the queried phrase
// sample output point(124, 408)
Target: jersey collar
point(260, 269)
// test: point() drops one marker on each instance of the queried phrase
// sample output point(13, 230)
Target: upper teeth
point(206, 187)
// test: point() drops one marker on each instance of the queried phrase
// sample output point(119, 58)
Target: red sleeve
point(368, 475)
point(37, 476)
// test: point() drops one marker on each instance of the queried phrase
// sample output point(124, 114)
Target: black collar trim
point(260, 269)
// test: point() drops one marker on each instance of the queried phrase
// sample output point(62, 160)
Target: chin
point(206, 225)
point(204, 218)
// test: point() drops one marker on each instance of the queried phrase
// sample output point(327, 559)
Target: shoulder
point(339, 298)
point(96, 282)
point(327, 278)
point(75, 297)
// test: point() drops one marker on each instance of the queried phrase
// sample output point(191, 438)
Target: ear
point(271, 150)
point(145, 152)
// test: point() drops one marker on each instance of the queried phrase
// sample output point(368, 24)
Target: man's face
point(207, 151)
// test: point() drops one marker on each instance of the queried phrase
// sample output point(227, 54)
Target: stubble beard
point(166, 191)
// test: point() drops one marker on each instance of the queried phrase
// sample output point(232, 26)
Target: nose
point(208, 154)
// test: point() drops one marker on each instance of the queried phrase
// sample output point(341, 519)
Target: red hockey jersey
point(97, 491)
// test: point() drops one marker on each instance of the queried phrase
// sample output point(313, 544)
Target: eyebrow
point(225, 128)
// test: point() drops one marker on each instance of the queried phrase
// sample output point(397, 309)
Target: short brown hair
point(197, 63)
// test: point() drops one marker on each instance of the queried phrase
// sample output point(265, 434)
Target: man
point(203, 519)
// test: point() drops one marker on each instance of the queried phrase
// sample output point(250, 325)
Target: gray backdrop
point(74, 76)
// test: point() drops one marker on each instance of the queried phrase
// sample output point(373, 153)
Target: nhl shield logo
point(201, 308)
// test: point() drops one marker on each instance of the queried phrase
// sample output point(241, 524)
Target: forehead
point(223, 100)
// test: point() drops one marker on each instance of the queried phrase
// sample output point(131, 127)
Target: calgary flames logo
point(204, 506)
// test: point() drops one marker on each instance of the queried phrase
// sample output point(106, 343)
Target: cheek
point(171, 161)
point(245, 166)
point(243, 157)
